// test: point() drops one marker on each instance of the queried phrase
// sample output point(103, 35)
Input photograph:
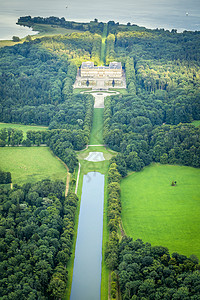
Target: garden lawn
point(24, 128)
point(162, 214)
point(96, 136)
point(31, 164)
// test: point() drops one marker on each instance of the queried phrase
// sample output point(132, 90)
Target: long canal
point(86, 283)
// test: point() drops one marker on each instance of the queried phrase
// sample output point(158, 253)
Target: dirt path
point(67, 183)
point(68, 176)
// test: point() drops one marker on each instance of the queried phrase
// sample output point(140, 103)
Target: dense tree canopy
point(147, 272)
point(36, 233)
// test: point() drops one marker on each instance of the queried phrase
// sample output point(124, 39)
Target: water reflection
point(88, 254)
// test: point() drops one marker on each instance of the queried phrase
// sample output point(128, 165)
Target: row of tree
point(113, 220)
point(10, 137)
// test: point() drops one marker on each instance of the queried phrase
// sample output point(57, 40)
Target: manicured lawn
point(79, 90)
point(31, 164)
point(121, 91)
point(96, 136)
point(24, 128)
point(163, 215)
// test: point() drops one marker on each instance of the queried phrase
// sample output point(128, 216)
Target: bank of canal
point(86, 281)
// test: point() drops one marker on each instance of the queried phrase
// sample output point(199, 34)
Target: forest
point(152, 122)
point(36, 234)
point(147, 272)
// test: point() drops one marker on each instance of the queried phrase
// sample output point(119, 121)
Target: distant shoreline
point(34, 30)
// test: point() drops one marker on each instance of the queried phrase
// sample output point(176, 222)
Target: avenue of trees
point(36, 233)
point(113, 213)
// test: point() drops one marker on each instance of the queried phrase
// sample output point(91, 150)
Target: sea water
point(168, 14)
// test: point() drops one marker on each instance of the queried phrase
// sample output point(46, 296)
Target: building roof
point(87, 65)
point(115, 65)
point(90, 65)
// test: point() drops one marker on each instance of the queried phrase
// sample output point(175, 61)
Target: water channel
point(86, 281)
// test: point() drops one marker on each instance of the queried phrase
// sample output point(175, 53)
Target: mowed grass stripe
point(163, 215)
point(31, 164)
point(96, 136)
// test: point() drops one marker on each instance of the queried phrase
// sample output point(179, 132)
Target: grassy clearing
point(96, 136)
point(31, 164)
point(24, 128)
point(196, 123)
point(163, 215)
point(43, 30)
point(47, 29)
point(4, 43)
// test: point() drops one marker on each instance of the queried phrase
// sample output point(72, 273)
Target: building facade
point(88, 70)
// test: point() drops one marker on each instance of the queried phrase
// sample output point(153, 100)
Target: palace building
point(114, 70)
point(100, 77)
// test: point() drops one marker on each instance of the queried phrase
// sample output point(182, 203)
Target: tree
point(16, 39)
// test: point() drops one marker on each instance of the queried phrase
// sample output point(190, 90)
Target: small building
point(114, 70)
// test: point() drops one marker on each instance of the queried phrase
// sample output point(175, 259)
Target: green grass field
point(4, 43)
point(24, 128)
point(45, 29)
point(96, 136)
point(79, 90)
point(161, 214)
point(121, 91)
point(31, 164)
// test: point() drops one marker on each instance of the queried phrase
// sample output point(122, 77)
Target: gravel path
point(95, 156)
